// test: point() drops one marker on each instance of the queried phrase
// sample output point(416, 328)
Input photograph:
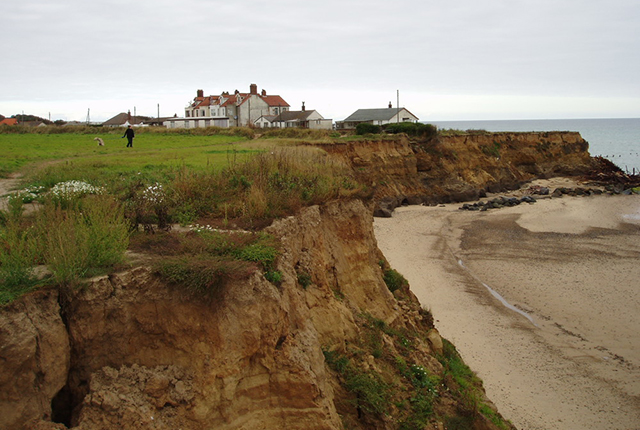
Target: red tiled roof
point(275, 101)
point(9, 121)
point(232, 99)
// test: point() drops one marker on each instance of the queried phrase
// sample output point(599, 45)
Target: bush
point(394, 280)
point(304, 279)
point(415, 129)
point(367, 128)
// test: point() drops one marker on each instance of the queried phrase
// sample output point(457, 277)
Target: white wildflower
point(154, 194)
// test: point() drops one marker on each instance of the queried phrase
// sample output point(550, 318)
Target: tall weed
point(76, 243)
point(17, 252)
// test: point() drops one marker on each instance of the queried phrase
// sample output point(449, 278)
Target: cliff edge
point(339, 342)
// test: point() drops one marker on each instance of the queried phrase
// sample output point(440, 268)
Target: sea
point(616, 139)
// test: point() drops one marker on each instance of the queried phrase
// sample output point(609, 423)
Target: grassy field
point(150, 150)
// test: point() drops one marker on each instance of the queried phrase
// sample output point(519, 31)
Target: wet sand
point(569, 357)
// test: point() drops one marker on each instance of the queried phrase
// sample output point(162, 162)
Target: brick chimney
point(264, 93)
point(200, 93)
point(390, 105)
point(253, 89)
point(303, 108)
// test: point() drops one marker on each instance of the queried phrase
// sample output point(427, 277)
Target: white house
point(377, 117)
point(241, 109)
point(303, 119)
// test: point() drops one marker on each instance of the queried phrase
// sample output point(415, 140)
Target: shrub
point(416, 129)
point(394, 280)
point(273, 276)
point(367, 128)
point(304, 279)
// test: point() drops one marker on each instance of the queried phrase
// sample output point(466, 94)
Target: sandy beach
point(540, 299)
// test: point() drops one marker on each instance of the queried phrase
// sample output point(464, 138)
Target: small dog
point(100, 141)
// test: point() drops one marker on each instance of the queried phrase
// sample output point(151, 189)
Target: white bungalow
point(377, 117)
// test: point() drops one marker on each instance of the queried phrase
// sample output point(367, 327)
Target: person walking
point(129, 134)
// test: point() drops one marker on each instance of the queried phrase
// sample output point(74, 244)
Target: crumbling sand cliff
point(128, 351)
point(461, 167)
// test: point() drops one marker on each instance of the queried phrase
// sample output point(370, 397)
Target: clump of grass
point(304, 279)
point(394, 280)
point(80, 242)
point(203, 275)
point(88, 237)
point(469, 389)
point(17, 253)
point(204, 260)
point(492, 150)
point(299, 133)
point(371, 393)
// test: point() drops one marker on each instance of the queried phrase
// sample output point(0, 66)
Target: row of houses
point(261, 110)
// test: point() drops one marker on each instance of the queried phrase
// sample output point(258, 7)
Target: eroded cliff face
point(34, 358)
point(128, 351)
point(461, 167)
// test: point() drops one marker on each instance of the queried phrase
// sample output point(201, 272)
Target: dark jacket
point(129, 133)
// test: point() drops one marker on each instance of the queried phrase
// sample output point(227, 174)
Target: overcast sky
point(449, 59)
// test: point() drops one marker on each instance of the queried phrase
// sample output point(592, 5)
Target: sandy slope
point(572, 265)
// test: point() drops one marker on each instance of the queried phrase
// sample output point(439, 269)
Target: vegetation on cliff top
point(92, 198)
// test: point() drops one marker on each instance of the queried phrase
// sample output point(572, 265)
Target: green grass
point(394, 280)
point(150, 150)
point(202, 261)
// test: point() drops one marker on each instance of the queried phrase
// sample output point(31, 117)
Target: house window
point(188, 113)
point(173, 124)
point(207, 123)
